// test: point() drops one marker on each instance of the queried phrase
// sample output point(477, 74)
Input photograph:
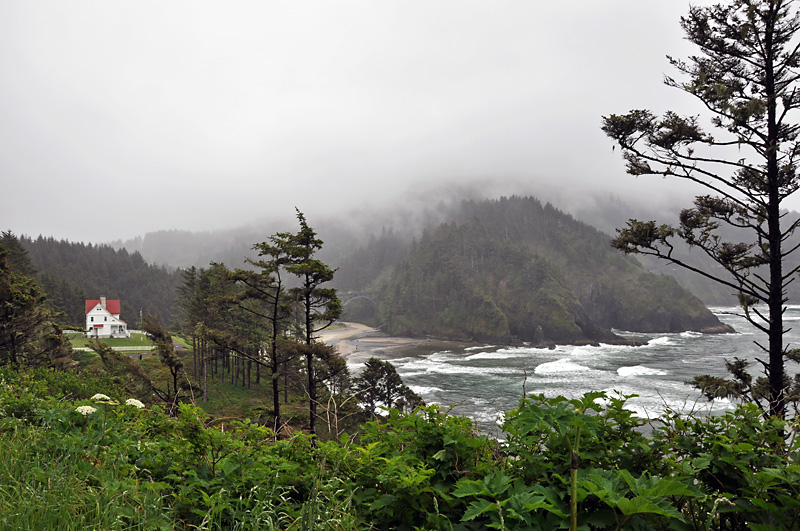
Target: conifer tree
point(29, 336)
point(746, 76)
point(318, 307)
point(267, 299)
point(379, 384)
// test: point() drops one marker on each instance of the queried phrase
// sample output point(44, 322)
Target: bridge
point(350, 296)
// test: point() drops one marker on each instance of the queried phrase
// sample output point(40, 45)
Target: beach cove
point(358, 342)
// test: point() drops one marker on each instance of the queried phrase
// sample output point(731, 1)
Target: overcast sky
point(120, 118)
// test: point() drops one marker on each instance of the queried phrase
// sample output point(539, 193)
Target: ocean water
point(484, 381)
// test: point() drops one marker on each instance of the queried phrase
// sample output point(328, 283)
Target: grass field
point(136, 340)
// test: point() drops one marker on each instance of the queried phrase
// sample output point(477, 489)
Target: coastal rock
point(721, 329)
point(651, 304)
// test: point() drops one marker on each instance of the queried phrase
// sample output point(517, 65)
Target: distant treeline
point(71, 272)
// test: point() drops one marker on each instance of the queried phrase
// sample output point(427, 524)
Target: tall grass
point(42, 489)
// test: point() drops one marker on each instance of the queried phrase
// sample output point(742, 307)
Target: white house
point(102, 319)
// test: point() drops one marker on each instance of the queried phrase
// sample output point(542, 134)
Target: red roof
point(112, 305)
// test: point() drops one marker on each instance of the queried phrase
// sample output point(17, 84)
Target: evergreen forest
point(71, 273)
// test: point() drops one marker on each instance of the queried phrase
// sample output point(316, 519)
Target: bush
point(72, 464)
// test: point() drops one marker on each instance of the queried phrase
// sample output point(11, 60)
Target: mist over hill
point(410, 215)
point(535, 271)
point(514, 269)
point(371, 243)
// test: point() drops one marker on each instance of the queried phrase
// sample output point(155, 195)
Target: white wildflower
point(85, 410)
point(101, 397)
point(133, 402)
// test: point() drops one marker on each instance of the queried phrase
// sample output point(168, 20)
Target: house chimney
point(103, 302)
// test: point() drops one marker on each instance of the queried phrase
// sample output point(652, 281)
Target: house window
point(92, 318)
point(105, 318)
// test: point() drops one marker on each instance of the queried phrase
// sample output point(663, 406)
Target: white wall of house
point(101, 323)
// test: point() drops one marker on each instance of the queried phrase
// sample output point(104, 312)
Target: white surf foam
point(429, 365)
point(425, 390)
point(560, 366)
point(663, 340)
point(497, 355)
point(640, 370)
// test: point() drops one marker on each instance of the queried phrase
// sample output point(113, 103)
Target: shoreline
point(358, 342)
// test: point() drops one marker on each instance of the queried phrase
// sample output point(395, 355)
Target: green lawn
point(136, 340)
point(182, 341)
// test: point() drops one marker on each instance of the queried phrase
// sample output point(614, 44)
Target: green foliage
point(741, 459)
point(121, 467)
point(406, 468)
point(540, 429)
point(29, 336)
point(380, 385)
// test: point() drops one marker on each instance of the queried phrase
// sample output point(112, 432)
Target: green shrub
point(585, 460)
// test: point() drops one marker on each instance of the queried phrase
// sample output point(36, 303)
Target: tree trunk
point(776, 282)
point(276, 397)
point(204, 366)
point(312, 395)
point(312, 385)
point(194, 358)
point(285, 382)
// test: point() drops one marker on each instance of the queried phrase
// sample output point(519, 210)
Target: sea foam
point(559, 366)
point(502, 354)
point(663, 340)
point(640, 370)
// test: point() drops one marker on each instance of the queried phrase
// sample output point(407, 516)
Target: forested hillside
point(73, 272)
point(609, 214)
point(516, 269)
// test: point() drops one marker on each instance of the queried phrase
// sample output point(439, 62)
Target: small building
point(102, 319)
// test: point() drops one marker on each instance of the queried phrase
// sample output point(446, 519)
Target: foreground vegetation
point(73, 462)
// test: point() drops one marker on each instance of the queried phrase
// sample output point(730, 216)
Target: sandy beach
point(358, 342)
